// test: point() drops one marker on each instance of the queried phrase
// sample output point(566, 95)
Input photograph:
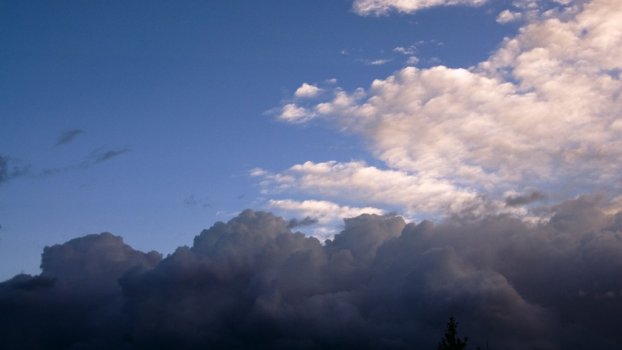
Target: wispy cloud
point(9, 170)
point(68, 136)
point(109, 154)
point(194, 201)
point(375, 62)
point(382, 7)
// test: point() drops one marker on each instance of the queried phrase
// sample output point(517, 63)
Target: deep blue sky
point(171, 100)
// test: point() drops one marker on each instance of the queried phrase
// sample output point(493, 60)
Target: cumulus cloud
point(76, 302)
point(359, 182)
point(68, 136)
point(380, 283)
point(381, 7)
point(294, 114)
point(307, 91)
point(507, 16)
point(542, 112)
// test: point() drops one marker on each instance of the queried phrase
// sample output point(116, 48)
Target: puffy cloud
point(93, 260)
point(381, 283)
point(307, 91)
point(294, 114)
point(360, 182)
point(324, 211)
point(76, 302)
point(507, 16)
point(381, 7)
point(542, 112)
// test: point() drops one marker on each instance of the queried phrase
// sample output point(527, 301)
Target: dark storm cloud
point(75, 303)
point(68, 135)
point(525, 198)
point(107, 155)
point(251, 283)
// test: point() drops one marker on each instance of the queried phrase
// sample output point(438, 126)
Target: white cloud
point(258, 172)
point(307, 91)
point(295, 114)
point(410, 50)
point(324, 211)
point(377, 62)
point(412, 60)
point(360, 182)
point(380, 7)
point(507, 16)
point(543, 111)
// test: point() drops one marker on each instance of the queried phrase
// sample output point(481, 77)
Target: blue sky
point(173, 119)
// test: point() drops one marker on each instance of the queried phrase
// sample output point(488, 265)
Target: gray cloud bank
point(380, 284)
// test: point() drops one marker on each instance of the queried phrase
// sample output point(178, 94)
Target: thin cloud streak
point(107, 155)
point(68, 136)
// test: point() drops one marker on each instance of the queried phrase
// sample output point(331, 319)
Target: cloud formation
point(381, 283)
point(68, 136)
point(9, 171)
point(307, 90)
point(107, 155)
point(381, 7)
point(525, 198)
point(357, 181)
point(544, 112)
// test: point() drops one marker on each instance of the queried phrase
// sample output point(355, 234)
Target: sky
point(155, 119)
point(310, 174)
point(147, 119)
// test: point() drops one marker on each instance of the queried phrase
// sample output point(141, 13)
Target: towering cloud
point(381, 283)
point(76, 302)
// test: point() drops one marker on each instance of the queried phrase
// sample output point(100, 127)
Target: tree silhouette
point(450, 340)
